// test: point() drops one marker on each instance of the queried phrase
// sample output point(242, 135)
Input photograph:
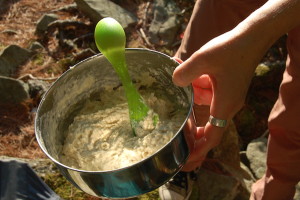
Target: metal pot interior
point(87, 80)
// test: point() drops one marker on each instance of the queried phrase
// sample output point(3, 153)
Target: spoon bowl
point(110, 40)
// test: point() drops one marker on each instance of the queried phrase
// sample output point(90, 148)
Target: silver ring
point(217, 122)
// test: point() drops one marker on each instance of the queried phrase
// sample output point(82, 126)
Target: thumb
point(186, 72)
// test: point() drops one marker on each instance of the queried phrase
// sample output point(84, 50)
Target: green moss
point(149, 196)
point(38, 59)
point(262, 70)
point(62, 187)
point(65, 63)
point(2, 46)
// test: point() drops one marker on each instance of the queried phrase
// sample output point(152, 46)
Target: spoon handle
point(137, 107)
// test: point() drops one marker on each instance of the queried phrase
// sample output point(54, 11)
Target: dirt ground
point(17, 26)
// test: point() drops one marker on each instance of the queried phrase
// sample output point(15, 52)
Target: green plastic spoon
point(110, 40)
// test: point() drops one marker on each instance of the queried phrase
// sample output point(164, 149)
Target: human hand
point(220, 73)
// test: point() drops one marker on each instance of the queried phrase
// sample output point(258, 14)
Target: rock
point(41, 166)
point(98, 9)
point(10, 32)
point(221, 182)
point(256, 154)
point(68, 8)
point(249, 179)
point(84, 54)
point(65, 31)
point(37, 87)
point(228, 150)
point(166, 22)
point(11, 57)
point(44, 21)
point(35, 46)
point(12, 90)
point(297, 195)
point(67, 25)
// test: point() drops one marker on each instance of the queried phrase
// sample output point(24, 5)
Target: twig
point(36, 78)
point(144, 37)
point(146, 13)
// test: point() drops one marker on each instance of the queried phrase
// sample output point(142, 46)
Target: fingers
point(207, 91)
point(201, 140)
point(202, 96)
point(202, 90)
point(203, 82)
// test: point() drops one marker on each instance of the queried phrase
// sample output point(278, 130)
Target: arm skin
point(224, 68)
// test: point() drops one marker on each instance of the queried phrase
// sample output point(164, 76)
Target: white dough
point(100, 138)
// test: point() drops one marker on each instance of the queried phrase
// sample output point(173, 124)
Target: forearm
point(267, 24)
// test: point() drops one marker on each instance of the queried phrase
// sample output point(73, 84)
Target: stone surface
point(98, 9)
point(11, 57)
point(228, 150)
point(12, 90)
point(10, 32)
point(221, 182)
point(40, 166)
point(256, 159)
point(37, 87)
point(44, 21)
point(166, 22)
point(68, 8)
point(36, 46)
point(249, 178)
point(256, 154)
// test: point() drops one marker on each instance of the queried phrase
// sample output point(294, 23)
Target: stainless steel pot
point(88, 79)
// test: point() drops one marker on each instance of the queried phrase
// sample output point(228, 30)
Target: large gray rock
point(248, 178)
point(44, 21)
point(11, 57)
point(222, 183)
point(166, 22)
point(98, 9)
point(256, 154)
point(12, 90)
